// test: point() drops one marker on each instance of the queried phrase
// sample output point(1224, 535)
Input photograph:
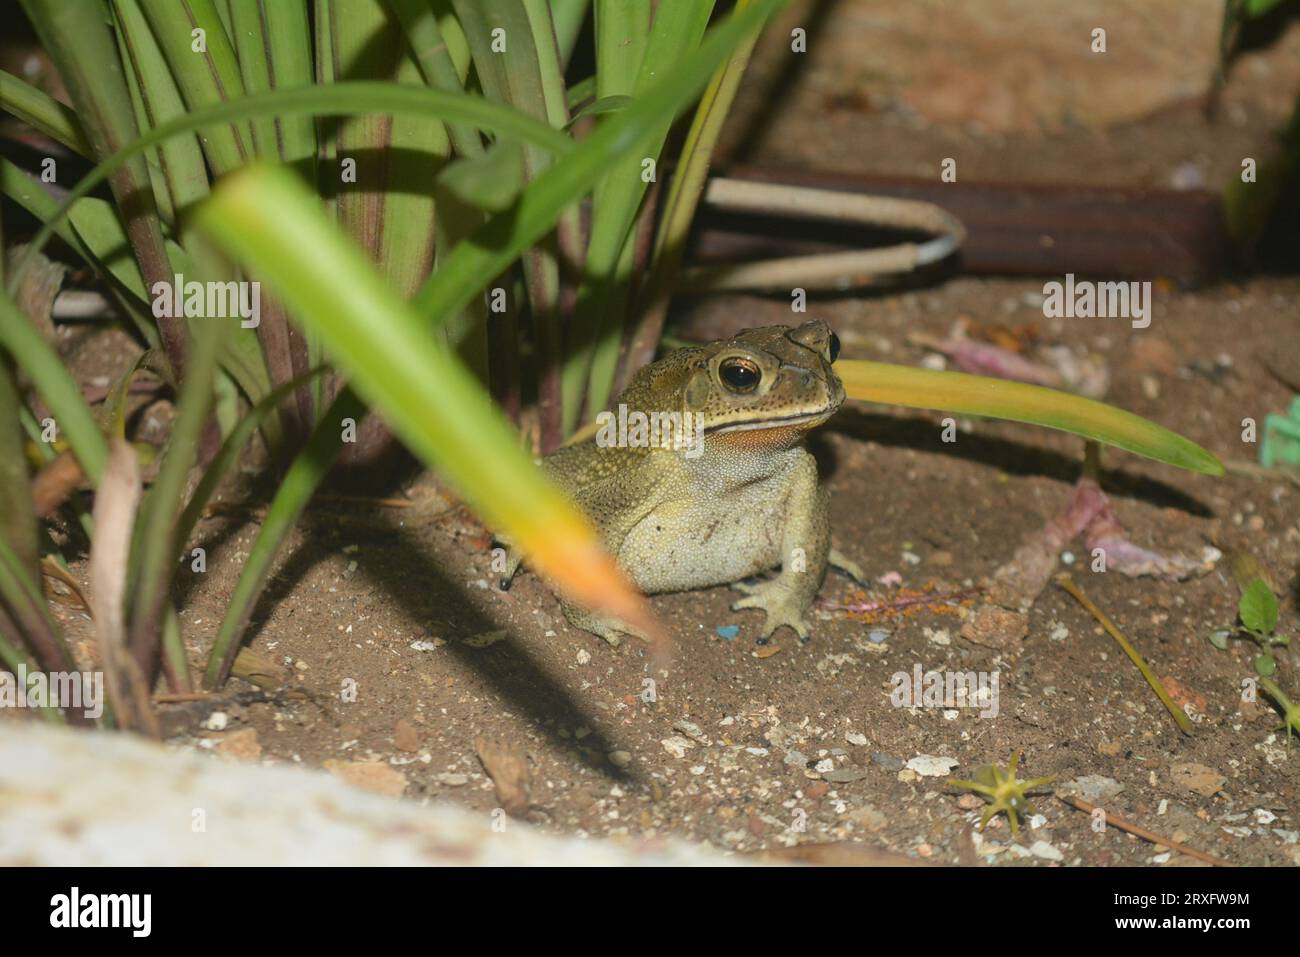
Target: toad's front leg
point(805, 544)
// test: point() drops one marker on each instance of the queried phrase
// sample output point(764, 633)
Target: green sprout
point(1004, 791)
point(1290, 711)
point(1257, 610)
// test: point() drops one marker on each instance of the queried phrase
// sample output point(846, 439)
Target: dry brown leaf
point(116, 501)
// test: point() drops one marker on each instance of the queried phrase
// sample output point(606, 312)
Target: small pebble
point(1045, 851)
point(932, 766)
point(845, 775)
point(690, 729)
point(887, 761)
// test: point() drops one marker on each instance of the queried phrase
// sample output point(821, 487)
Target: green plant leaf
point(18, 517)
point(568, 17)
point(967, 394)
point(608, 104)
point(42, 112)
point(1219, 638)
point(183, 168)
point(1257, 8)
point(71, 415)
point(1265, 665)
point(23, 600)
point(491, 181)
point(204, 74)
point(433, 53)
point(1258, 608)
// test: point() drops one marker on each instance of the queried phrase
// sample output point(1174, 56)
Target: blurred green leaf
point(608, 104)
point(1258, 608)
point(71, 415)
point(491, 181)
point(42, 112)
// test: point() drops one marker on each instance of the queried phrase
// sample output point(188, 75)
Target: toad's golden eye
point(835, 347)
point(739, 375)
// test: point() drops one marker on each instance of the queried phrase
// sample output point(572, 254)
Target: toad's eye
point(739, 375)
point(835, 347)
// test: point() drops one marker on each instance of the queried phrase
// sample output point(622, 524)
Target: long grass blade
point(966, 394)
point(72, 417)
point(206, 72)
point(181, 157)
point(43, 112)
point(432, 52)
point(17, 518)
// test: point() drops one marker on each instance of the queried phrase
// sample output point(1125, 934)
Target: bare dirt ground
point(754, 746)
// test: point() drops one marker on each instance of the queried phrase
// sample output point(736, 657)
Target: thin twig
point(238, 508)
point(1184, 722)
point(897, 604)
point(367, 500)
point(1119, 822)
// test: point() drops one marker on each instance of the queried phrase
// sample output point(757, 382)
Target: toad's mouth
point(783, 422)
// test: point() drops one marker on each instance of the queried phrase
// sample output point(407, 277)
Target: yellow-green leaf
point(967, 394)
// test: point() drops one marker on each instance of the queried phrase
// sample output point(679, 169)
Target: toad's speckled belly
point(682, 546)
